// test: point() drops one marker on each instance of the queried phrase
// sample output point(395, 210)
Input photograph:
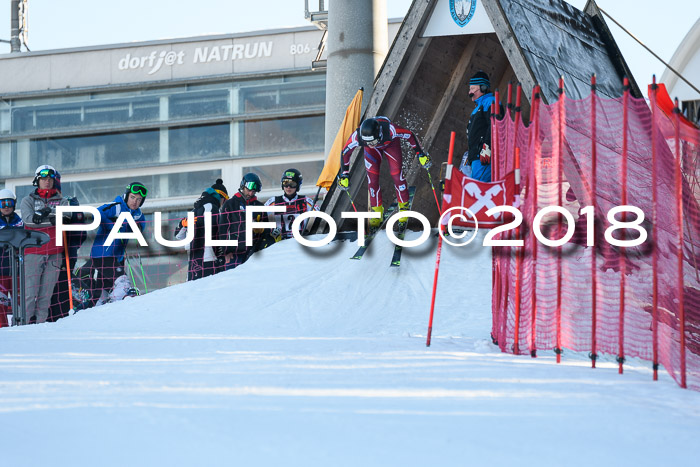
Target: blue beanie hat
point(480, 79)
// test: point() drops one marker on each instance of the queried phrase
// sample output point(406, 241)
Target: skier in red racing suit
point(378, 137)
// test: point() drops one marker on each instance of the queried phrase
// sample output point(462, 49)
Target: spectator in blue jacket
point(476, 162)
point(8, 219)
point(107, 261)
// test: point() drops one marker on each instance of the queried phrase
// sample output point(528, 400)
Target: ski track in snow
point(305, 357)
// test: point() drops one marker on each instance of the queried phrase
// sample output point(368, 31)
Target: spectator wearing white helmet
point(8, 219)
point(42, 264)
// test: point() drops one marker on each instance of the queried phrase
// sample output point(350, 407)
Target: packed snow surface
point(303, 357)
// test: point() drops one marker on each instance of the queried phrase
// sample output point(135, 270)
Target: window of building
point(91, 152)
point(195, 143)
point(194, 104)
point(283, 135)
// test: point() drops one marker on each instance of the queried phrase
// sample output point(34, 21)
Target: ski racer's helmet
point(370, 132)
point(251, 181)
point(136, 188)
point(44, 171)
point(7, 198)
point(294, 176)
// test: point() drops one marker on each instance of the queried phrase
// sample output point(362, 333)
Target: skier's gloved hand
point(41, 215)
point(485, 155)
point(343, 181)
point(424, 160)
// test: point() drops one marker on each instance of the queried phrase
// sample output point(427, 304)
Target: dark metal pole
point(14, 26)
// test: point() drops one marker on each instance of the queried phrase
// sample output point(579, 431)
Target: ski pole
point(128, 265)
point(351, 201)
point(430, 179)
point(143, 275)
point(68, 274)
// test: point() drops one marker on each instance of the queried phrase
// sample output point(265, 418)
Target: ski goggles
point(138, 189)
point(44, 173)
point(252, 186)
point(222, 194)
point(7, 203)
point(289, 184)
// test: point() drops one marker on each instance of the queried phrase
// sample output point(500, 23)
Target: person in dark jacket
point(8, 220)
point(42, 264)
point(205, 260)
point(233, 223)
point(476, 162)
point(107, 261)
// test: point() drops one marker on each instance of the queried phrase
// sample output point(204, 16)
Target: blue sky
point(52, 25)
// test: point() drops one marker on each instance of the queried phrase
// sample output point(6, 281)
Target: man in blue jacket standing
point(476, 162)
point(108, 260)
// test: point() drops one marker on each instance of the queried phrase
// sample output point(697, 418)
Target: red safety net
point(95, 281)
point(641, 301)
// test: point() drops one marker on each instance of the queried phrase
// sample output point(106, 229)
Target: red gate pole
point(448, 177)
point(495, 265)
point(679, 207)
point(516, 119)
point(509, 101)
point(560, 172)
point(594, 193)
point(532, 193)
point(655, 250)
point(68, 274)
point(495, 174)
point(623, 262)
point(518, 262)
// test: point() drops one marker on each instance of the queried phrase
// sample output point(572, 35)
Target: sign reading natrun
point(155, 60)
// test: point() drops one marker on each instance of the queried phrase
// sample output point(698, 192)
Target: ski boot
point(375, 223)
point(400, 226)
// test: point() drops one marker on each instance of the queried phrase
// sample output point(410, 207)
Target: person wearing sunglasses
point(379, 138)
point(107, 261)
point(9, 219)
point(295, 203)
point(42, 264)
point(204, 260)
point(233, 222)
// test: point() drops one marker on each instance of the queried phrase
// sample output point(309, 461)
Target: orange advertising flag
point(350, 124)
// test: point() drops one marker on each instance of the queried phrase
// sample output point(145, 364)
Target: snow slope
point(304, 357)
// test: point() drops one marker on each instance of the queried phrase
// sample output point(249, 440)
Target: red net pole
point(560, 177)
point(623, 201)
point(448, 177)
point(679, 207)
point(518, 263)
point(532, 192)
point(655, 250)
point(495, 270)
point(594, 190)
point(509, 101)
point(516, 117)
